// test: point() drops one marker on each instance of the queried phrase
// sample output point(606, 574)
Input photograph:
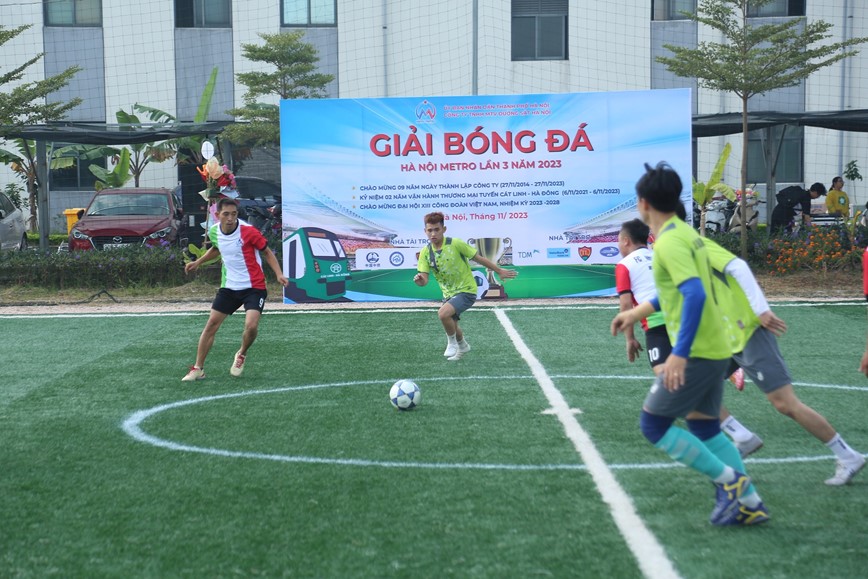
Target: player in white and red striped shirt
point(242, 283)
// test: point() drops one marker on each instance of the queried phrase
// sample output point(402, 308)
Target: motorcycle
point(752, 207)
point(718, 214)
point(268, 221)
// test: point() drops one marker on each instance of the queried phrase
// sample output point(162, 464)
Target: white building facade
point(161, 53)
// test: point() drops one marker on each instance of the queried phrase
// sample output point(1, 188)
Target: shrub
point(134, 266)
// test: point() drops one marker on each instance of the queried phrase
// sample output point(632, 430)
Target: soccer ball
point(405, 395)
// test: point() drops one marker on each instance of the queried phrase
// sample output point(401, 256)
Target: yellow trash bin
point(71, 217)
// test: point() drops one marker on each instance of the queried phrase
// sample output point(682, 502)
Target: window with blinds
point(539, 29)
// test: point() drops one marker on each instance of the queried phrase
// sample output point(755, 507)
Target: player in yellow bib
point(691, 383)
point(753, 330)
point(447, 258)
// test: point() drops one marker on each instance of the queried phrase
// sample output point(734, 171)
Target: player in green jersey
point(691, 383)
point(447, 258)
point(753, 331)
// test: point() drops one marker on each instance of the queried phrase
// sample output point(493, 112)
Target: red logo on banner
point(585, 253)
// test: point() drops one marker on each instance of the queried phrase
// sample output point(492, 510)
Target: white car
point(13, 234)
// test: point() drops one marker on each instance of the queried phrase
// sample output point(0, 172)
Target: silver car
point(13, 234)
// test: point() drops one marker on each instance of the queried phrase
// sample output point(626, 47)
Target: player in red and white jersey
point(242, 283)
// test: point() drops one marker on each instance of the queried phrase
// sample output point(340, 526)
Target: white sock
point(842, 450)
point(451, 339)
point(726, 476)
point(735, 429)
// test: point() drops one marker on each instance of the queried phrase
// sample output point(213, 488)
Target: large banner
point(541, 183)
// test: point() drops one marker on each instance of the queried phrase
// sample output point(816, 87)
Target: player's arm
point(740, 271)
point(628, 318)
point(212, 253)
point(272, 262)
point(502, 272)
point(421, 278)
point(806, 211)
point(693, 294)
point(625, 302)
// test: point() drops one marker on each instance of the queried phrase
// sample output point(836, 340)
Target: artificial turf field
point(110, 466)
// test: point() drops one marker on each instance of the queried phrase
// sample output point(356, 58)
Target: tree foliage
point(703, 193)
point(187, 149)
point(26, 104)
point(754, 57)
point(294, 77)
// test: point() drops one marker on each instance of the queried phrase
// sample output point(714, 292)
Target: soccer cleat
point(727, 497)
point(744, 515)
point(750, 446)
point(451, 349)
point(844, 473)
point(463, 347)
point(194, 374)
point(238, 364)
point(737, 379)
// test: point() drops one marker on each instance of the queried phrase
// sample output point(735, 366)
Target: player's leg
point(745, 440)
point(456, 345)
point(659, 411)
point(773, 378)
point(254, 302)
point(447, 317)
point(849, 463)
point(699, 400)
point(206, 340)
point(224, 304)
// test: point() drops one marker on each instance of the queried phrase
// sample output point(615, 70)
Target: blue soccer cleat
point(745, 515)
point(727, 497)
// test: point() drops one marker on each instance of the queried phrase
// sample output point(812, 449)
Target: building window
point(76, 176)
point(309, 13)
point(672, 9)
point(539, 29)
point(778, 8)
point(73, 12)
point(203, 13)
point(790, 167)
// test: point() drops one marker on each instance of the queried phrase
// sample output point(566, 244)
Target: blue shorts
point(227, 301)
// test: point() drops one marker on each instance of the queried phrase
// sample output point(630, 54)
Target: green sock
point(726, 451)
point(682, 446)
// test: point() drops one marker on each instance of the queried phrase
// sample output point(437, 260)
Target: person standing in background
point(837, 201)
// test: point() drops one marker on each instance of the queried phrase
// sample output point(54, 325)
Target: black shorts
point(227, 301)
point(657, 345)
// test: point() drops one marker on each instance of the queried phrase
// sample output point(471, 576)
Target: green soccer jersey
point(680, 255)
point(452, 271)
point(739, 319)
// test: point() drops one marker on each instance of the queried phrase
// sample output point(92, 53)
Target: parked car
point(254, 191)
point(13, 232)
point(117, 218)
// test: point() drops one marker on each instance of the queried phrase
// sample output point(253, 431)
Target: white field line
point(649, 553)
point(132, 425)
point(152, 309)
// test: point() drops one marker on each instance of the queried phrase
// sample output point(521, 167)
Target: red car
point(125, 217)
